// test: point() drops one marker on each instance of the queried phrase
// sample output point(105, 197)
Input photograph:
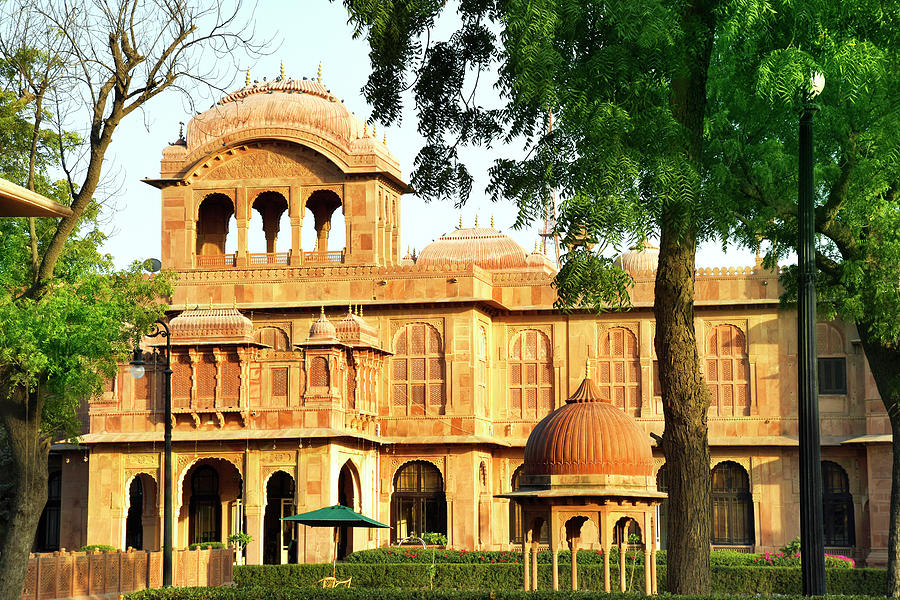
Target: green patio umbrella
point(336, 516)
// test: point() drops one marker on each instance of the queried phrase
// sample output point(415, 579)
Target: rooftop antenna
point(549, 230)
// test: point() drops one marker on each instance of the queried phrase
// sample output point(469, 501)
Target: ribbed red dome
point(482, 246)
point(322, 330)
point(588, 436)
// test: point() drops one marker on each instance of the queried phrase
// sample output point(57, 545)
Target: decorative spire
point(587, 368)
point(180, 130)
point(282, 70)
point(374, 132)
point(322, 313)
point(247, 79)
point(384, 139)
point(492, 221)
point(359, 309)
point(319, 76)
point(365, 128)
point(476, 219)
point(460, 221)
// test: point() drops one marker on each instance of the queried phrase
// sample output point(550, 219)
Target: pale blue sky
point(306, 32)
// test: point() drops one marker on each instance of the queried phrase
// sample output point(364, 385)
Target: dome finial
point(476, 219)
point(359, 309)
point(492, 221)
point(322, 312)
point(384, 138)
point(319, 76)
point(282, 70)
point(247, 79)
point(374, 131)
point(587, 368)
point(460, 221)
point(365, 128)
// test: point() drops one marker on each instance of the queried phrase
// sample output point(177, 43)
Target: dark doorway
point(134, 522)
point(346, 497)
point(279, 545)
point(205, 521)
point(47, 538)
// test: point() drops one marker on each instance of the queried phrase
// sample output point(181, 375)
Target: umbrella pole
point(337, 532)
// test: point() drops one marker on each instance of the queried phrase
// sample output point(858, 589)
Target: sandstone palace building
point(343, 370)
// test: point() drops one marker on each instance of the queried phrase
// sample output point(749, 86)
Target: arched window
point(272, 208)
point(728, 371)
point(515, 511)
point(418, 371)
point(832, 362)
point(619, 370)
point(530, 375)
point(213, 218)
point(662, 522)
point(837, 506)
point(418, 504)
point(732, 505)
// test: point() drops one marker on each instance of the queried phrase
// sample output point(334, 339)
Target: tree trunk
point(20, 414)
point(884, 362)
point(685, 403)
point(684, 394)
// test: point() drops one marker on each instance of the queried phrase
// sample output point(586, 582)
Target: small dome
point(174, 151)
point(642, 258)
point(540, 261)
point(588, 436)
point(482, 246)
point(408, 260)
point(354, 329)
point(211, 326)
point(322, 330)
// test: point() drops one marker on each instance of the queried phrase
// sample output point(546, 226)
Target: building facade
point(407, 387)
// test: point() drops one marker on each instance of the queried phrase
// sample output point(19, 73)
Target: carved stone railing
point(217, 260)
point(269, 258)
point(330, 257)
point(64, 575)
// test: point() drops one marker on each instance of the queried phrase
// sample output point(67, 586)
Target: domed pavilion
point(588, 463)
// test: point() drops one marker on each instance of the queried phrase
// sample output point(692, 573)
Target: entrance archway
point(347, 479)
point(134, 523)
point(209, 504)
point(279, 543)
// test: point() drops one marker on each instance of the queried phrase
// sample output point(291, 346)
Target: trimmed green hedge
point(725, 580)
point(311, 593)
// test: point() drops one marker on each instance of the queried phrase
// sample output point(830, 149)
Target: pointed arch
point(728, 371)
point(732, 505)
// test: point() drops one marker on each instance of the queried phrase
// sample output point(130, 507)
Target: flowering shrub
point(780, 559)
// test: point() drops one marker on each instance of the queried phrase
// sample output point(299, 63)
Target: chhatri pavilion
point(332, 367)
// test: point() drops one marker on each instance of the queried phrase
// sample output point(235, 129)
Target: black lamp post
point(812, 542)
point(137, 371)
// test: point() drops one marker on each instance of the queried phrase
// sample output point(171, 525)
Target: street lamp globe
point(137, 365)
point(816, 84)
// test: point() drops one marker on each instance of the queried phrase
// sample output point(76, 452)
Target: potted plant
point(239, 541)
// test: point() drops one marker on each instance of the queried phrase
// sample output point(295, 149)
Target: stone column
point(648, 554)
point(574, 546)
point(534, 561)
point(525, 553)
point(253, 515)
point(605, 539)
point(622, 550)
point(554, 549)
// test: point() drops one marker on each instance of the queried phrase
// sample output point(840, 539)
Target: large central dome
point(286, 104)
point(482, 246)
